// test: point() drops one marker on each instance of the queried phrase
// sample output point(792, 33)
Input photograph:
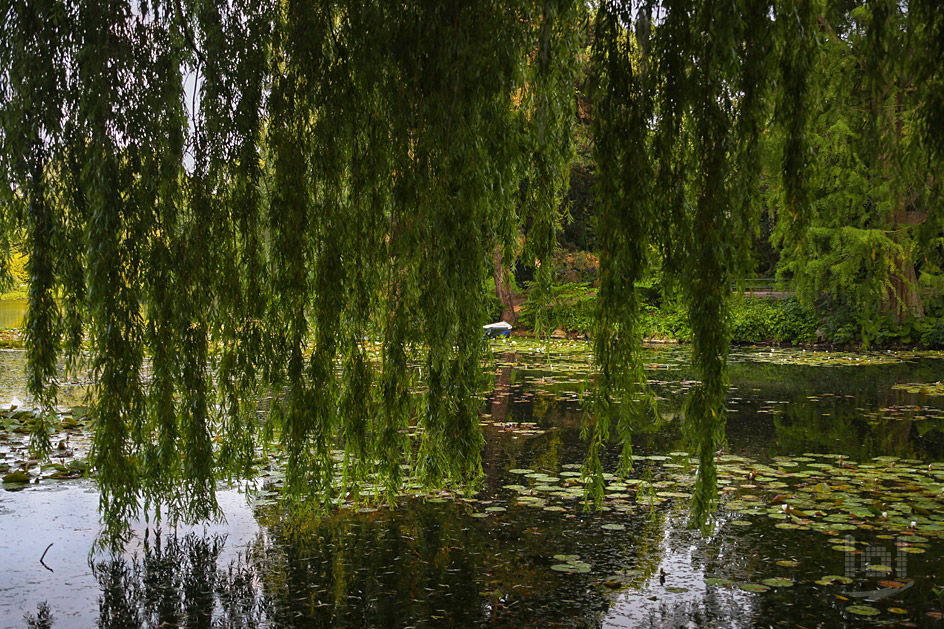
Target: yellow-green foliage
point(17, 279)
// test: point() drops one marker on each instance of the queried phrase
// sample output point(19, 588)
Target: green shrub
point(771, 320)
point(932, 334)
point(570, 307)
point(925, 331)
point(670, 321)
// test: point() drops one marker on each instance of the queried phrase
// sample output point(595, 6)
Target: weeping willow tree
point(875, 219)
point(225, 200)
point(684, 94)
point(691, 100)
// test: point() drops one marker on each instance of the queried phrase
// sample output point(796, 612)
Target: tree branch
point(188, 34)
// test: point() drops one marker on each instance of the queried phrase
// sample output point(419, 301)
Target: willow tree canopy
point(276, 182)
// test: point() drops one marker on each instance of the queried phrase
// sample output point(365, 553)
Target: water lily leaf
point(788, 563)
point(564, 567)
point(719, 582)
point(863, 610)
point(778, 582)
point(757, 588)
point(16, 477)
point(613, 527)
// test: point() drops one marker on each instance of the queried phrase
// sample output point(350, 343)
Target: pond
point(832, 514)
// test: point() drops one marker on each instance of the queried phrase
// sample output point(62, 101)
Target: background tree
point(872, 185)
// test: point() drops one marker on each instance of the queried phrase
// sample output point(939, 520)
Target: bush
point(670, 321)
point(926, 331)
point(570, 307)
point(772, 320)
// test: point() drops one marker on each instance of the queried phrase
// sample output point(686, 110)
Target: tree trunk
point(902, 297)
point(503, 288)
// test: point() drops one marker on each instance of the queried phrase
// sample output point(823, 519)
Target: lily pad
point(719, 582)
point(778, 582)
point(756, 588)
point(831, 579)
point(564, 567)
point(863, 610)
point(16, 477)
point(880, 568)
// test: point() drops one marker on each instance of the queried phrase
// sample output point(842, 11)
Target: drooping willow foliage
point(246, 194)
point(684, 96)
point(224, 200)
point(688, 96)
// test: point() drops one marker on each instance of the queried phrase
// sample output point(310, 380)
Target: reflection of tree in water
point(433, 565)
point(177, 582)
point(421, 565)
point(425, 565)
point(841, 426)
point(43, 618)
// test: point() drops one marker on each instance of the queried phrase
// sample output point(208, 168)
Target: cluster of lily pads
point(828, 493)
point(70, 446)
point(904, 412)
point(822, 358)
point(922, 388)
point(900, 501)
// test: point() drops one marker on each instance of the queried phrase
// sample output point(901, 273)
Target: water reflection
point(496, 559)
point(178, 582)
point(425, 565)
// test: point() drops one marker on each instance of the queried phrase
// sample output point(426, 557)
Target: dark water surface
point(523, 552)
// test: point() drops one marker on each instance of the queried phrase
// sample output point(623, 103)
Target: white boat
point(494, 330)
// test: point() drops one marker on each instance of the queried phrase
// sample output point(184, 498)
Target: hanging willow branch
point(682, 103)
